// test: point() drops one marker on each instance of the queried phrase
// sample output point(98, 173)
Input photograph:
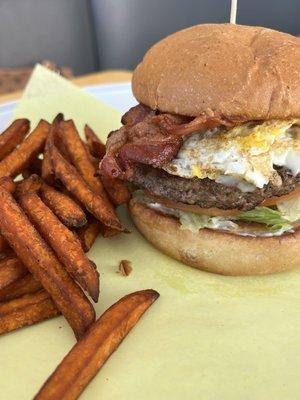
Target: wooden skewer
point(233, 10)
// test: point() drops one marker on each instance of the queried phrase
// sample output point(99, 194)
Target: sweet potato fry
point(95, 145)
point(28, 185)
point(11, 269)
point(79, 157)
point(19, 159)
point(94, 161)
point(64, 243)
point(43, 264)
point(117, 190)
point(47, 171)
point(13, 136)
point(58, 118)
point(26, 285)
point(26, 310)
point(88, 234)
point(108, 232)
point(8, 184)
point(94, 203)
point(86, 358)
point(66, 209)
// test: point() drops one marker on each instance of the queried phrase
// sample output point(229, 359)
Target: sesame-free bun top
point(224, 70)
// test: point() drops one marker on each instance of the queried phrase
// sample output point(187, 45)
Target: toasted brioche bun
point(215, 251)
point(223, 70)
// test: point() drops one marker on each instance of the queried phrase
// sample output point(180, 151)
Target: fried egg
point(243, 156)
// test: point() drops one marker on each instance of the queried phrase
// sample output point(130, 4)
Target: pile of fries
point(49, 220)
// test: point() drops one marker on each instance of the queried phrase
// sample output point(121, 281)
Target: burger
point(212, 150)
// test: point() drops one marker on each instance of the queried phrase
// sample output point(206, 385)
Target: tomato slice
point(213, 212)
point(276, 200)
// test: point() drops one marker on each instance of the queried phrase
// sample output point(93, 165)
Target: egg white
point(243, 156)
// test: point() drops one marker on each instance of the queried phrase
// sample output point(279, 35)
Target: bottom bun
point(216, 251)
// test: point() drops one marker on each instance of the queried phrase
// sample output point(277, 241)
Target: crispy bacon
point(110, 167)
point(150, 138)
point(155, 154)
point(198, 124)
point(136, 114)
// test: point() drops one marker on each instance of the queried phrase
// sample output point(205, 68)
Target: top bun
point(225, 70)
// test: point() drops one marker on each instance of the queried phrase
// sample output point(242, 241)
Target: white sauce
point(230, 226)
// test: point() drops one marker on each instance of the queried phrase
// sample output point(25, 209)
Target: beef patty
point(207, 193)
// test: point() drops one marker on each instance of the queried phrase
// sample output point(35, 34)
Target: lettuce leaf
point(265, 215)
point(273, 222)
point(194, 222)
point(290, 209)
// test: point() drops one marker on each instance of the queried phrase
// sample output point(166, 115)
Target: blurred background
point(92, 35)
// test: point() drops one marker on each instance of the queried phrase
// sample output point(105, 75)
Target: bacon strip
point(155, 154)
point(199, 124)
point(150, 138)
point(136, 114)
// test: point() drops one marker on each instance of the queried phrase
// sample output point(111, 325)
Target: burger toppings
point(211, 172)
point(260, 221)
point(152, 139)
point(247, 152)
